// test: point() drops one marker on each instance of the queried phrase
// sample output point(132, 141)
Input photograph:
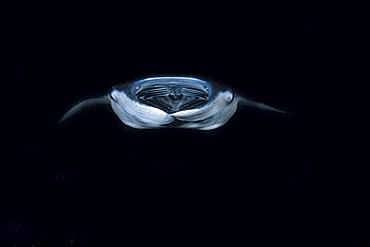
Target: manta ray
point(171, 102)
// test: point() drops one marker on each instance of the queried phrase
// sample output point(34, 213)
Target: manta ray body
point(171, 102)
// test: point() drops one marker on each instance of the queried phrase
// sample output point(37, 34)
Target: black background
point(262, 179)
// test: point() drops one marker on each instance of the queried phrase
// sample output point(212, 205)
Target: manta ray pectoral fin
point(246, 102)
point(83, 105)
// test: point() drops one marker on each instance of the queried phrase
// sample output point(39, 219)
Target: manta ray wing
point(250, 103)
point(84, 105)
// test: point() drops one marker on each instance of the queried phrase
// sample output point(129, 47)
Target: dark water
point(263, 179)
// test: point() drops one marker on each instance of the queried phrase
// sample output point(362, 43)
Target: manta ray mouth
point(173, 96)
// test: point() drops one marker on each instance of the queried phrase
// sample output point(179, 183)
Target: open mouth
point(173, 96)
